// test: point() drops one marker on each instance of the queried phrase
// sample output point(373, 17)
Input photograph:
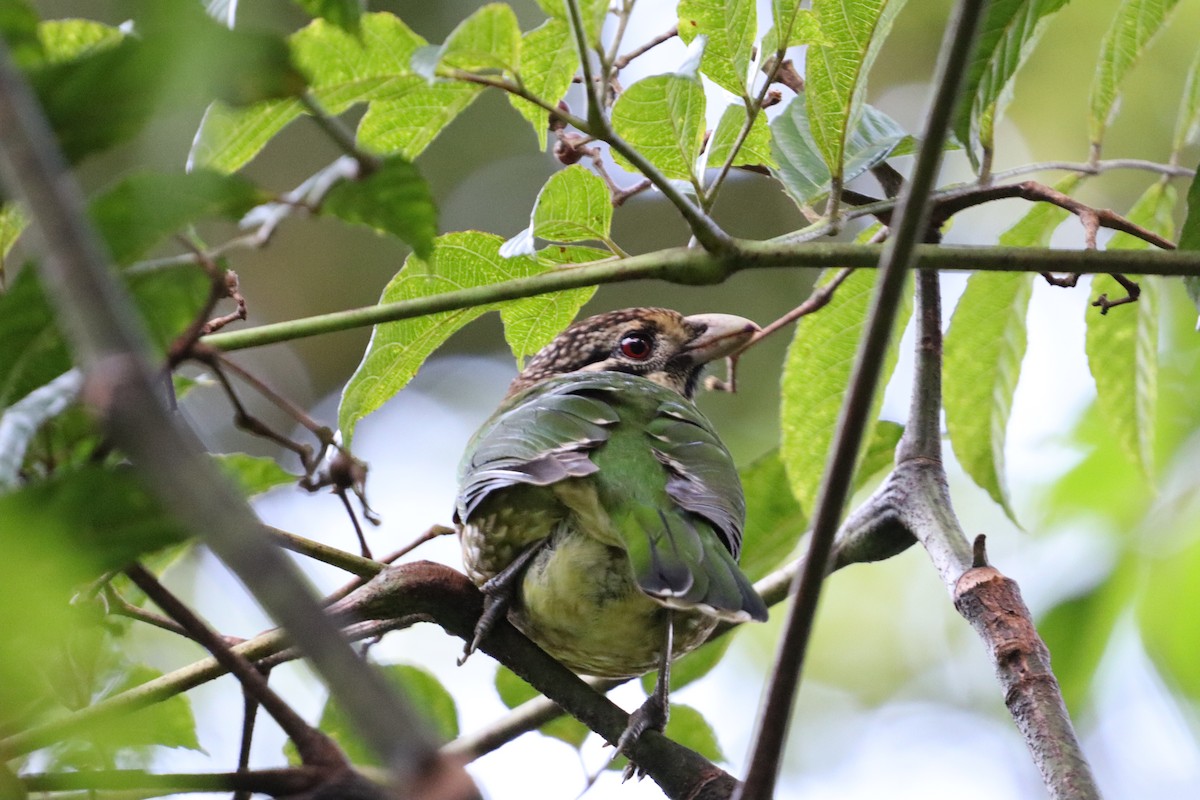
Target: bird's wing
point(674, 496)
point(540, 437)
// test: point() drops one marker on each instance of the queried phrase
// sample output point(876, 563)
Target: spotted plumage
point(599, 509)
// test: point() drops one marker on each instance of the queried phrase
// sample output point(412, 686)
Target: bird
point(599, 510)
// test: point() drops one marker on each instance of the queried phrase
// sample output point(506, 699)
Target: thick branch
point(448, 598)
point(992, 604)
point(917, 494)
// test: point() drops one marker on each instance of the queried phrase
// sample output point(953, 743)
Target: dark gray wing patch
point(701, 476)
point(542, 437)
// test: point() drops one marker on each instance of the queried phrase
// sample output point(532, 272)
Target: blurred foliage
point(71, 511)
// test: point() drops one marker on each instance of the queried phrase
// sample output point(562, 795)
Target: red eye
point(636, 346)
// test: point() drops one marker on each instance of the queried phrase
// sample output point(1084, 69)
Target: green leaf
point(410, 116)
point(1189, 236)
point(985, 346)
point(815, 377)
point(530, 326)
point(592, 12)
point(514, 691)
point(774, 520)
point(1122, 346)
point(1132, 29)
point(460, 260)
point(689, 728)
point(801, 168)
point(1169, 586)
point(253, 474)
point(574, 206)
point(1077, 632)
point(12, 223)
point(104, 514)
point(488, 41)
point(21, 421)
point(549, 62)
point(1187, 124)
point(798, 26)
point(1010, 30)
point(405, 115)
point(18, 28)
point(35, 352)
point(143, 209)
point(984, 349)
point(420, 685)
point(663, 118)
point(392, 199)
point(755, 151)
point(181, 61)
point(730, 28)
point(66, 39)
point(166, 723)
point(343, 13)
point(836, 75)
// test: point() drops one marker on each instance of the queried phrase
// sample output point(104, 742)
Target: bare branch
point(666, 36)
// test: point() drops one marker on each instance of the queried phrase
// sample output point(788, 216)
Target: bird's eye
point(636, 346)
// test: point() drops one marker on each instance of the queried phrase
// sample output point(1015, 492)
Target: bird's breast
point(578, 599)
point(580, 603)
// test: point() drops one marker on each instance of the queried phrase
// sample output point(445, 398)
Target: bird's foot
point(651, 716)
point(498, 593)
point(495, 606)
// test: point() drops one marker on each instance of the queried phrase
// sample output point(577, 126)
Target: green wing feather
point(660, 482)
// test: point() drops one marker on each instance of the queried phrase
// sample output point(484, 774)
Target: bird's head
point(655, 343)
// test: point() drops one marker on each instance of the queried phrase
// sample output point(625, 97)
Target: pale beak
point(724, 335)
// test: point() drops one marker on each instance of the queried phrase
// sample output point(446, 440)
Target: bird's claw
point(652, 715)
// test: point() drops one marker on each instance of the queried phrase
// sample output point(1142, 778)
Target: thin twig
point(666, 36)
point(706, 231)
point(319, 551)
point(250, 707)
point(1096, 168)
point(340, 135)
point(1132, 293)
point(314, 747)
point(1091, 218)
point(818, 299)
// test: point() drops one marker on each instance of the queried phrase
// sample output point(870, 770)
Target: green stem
point(694, 266)
point(326, 554)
